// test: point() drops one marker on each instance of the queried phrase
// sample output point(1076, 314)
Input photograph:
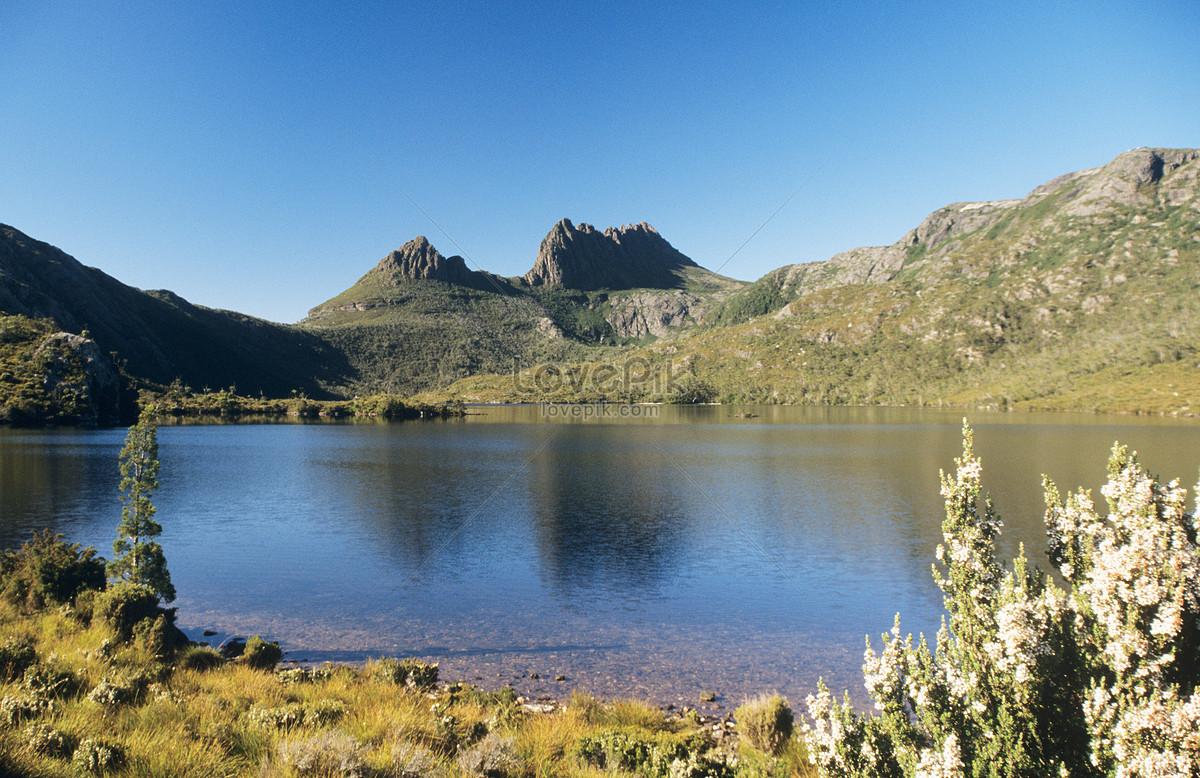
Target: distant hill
point(159, 336)
point(419, 320)
point(1080, 295)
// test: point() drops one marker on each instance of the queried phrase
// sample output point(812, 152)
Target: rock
point(560, 677)
point(644, 313)
point(78, 373)
point(418, 260)
point(708, 696)
point(632, 257)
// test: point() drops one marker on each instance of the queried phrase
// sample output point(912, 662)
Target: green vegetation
point(1080, 297)
point(43, 380)
point(77, 698)
point(1027, 679)
point(766, 723)
point(139, 559)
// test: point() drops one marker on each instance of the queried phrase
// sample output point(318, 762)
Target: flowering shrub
point(1029, 680)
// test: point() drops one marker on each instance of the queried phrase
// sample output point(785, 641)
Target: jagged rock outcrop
point(418, 260)
point(77, 373)
point(654, 313)
point(583, 258)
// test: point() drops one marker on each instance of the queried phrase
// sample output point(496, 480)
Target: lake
point(655, 555)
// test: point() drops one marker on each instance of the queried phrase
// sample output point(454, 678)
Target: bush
point(199, 658)
point(765, 722)
point(49, 681)
point(326, 753)
point(412, 760)
point(95, 757)
point(158, 638)
point(1029, 680)
point(260, 654)
point(123, 605)
point(409, 672)
point(658, 756)
point(118, 691)
point(46, 741)
point(16, 708)
point(492, 757)
point(16, 655)
point(283, 717)
point(47, 571)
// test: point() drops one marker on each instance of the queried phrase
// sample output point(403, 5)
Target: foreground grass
point(74, 701)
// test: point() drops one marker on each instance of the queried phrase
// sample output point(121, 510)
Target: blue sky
point(261, 156)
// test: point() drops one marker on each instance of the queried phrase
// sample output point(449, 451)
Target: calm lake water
point(659, 556)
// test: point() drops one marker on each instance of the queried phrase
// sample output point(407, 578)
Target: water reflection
point(610, 521)
point(649, 555)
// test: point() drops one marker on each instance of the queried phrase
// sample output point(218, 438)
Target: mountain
point(419, 320)
point(583, 258)
point(1080, 295)
point(159, 336)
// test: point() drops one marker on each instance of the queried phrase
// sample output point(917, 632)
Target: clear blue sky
point(255, 156)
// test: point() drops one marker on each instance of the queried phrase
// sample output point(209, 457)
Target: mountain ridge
point(1081, 290)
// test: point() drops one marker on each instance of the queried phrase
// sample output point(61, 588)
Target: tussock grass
point(187, 718)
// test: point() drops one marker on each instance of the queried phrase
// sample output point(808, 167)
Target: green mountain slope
point(158, 336)
point(419, 320)
point(1080, 295)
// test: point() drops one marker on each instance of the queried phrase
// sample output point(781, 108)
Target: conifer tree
point(138, 558)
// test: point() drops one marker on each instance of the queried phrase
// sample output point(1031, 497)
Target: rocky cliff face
point(417, 260)
point(78, 374)
point(583, 258)
point(653, 312)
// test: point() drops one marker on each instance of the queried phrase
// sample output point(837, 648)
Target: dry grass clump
point(765, 722)
point(77, 699)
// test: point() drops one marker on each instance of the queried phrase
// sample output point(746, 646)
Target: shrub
point(123, 605)
point(260, 654)
point(327, 753)
point(49, 681)
point(16, 654)
point(44, 740)
point(492, 757)
point(1029, 680)
point(47, 571)
point(156, 637)
point(659, 756)
point(95, 757)
point(409, 672)
point(412, 760)
point(199, 658)
point(15, 708)
point(118, 691)
point(283, 717)
point(765, 722)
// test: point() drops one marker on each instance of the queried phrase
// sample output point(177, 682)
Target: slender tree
point(138, 558)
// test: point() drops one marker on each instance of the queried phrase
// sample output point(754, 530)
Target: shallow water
point(654, 556)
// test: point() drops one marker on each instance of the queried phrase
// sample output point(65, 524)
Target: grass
point(193, 719)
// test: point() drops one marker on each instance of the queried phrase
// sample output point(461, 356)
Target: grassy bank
point(95, 680)
point(77, 700)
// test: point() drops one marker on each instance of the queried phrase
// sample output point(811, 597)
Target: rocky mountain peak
point(629, 257)
point(419, 260)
